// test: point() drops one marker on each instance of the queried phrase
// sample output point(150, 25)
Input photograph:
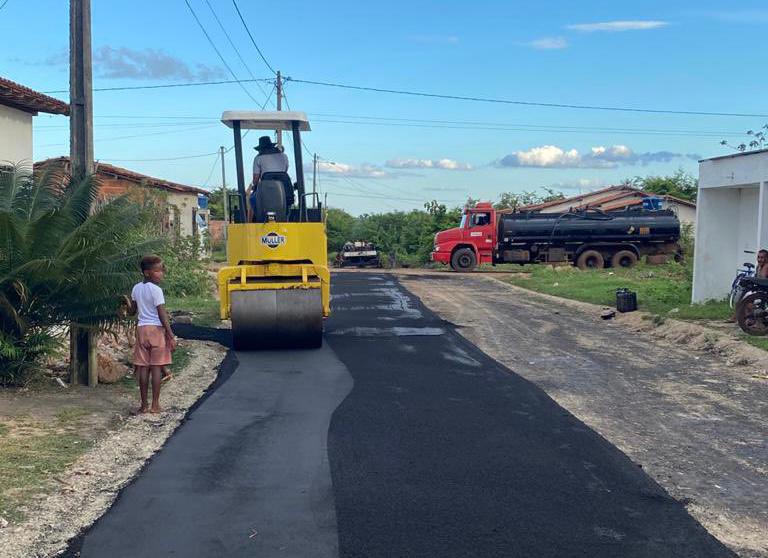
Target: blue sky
point(394, 151)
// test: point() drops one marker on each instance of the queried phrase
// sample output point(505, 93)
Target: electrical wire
point(169, 85)
point(252, 39)
point(213, 167)
point(234, 47)
point(179, 158)
point(523, 103)
point(207, 36)
point(4, 3)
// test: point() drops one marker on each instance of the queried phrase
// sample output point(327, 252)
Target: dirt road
point(697, 425)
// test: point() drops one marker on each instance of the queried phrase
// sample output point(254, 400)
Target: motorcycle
point(752, 309)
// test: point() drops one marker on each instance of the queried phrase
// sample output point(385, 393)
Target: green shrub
point(63, 259)
point(185, 273)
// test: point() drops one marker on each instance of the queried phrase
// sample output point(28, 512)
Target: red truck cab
point(471, 243)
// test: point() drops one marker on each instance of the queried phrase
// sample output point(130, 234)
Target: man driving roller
point(270, 159)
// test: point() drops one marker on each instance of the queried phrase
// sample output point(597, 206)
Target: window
point(481, 219)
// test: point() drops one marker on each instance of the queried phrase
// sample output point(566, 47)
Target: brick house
point(181, 201)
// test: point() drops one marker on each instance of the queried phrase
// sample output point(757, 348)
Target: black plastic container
point(626, 300)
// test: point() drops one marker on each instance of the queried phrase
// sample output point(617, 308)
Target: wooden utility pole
point(225, 196)
point(314, 177)
point(83, 361)
point(279, 90)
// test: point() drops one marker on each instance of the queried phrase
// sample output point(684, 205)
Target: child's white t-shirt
point(148, 297)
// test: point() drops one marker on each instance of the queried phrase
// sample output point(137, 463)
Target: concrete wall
point(732, 217)
point(686, 214)
point(186, 205)
point(726, 226)
point(15, 136)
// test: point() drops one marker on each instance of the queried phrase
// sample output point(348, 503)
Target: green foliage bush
point(63, 259)
point(185, 273)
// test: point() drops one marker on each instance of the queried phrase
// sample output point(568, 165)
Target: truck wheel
point(463, 259)
point(624, 258)
point(590, 259)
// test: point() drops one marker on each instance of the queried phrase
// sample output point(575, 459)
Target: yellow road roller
point(276, 286)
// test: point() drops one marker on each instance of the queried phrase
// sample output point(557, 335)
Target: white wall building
point(18, 104)
point(731, 220)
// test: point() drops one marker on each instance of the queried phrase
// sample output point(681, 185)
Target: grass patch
point(31, 453)
point(663, 290)
point(204, 309)
point(759, 342)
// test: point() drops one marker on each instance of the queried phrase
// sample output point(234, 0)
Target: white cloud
point(544, 156)
point(614, 26)
point(149, 63)
point(548, 43)
point(599, 157)
point(445, 164)
point(353, 171)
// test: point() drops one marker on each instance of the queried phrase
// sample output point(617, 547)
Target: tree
point(759, 140)
point(338, 226)
point(216, 202)
point(516, 200)
point(63, 259)
point(680, 185)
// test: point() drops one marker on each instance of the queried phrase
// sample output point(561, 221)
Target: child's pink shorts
point(151, 348)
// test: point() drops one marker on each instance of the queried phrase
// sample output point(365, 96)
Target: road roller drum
point(277, 318)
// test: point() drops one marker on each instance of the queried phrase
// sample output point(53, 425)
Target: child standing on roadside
point(154, 337)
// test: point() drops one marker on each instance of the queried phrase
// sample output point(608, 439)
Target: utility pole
point(314, 177)
point(279, 88)
point(82, 342)
point(225, 196)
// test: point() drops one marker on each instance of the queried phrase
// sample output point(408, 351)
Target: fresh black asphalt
point(441, 452)
point(437, 451)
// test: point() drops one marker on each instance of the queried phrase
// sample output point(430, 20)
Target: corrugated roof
point(572, 199)
point(108, 170)
point(15, 95)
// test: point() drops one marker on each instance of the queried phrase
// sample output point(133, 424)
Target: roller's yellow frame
point(268, 256)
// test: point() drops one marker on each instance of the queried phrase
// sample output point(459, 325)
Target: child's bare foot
point(141, 410)
point(155, 409)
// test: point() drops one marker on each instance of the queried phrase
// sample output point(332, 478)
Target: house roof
point(107, 170)
point(607, 199)
point(573, 199)
point(734, 155)
point(15, 95)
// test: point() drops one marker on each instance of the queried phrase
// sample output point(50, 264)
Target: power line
point(252, 39)
point(529, 129)
point(179, 158)
point(4, 3)
point(213, 167)
point(207, 36)
point(524, 103)
point(169, 85)
point(232, 44)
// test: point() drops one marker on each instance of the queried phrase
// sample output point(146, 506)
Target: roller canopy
point(263, 120)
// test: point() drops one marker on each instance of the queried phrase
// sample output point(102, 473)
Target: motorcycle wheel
point(752, 313)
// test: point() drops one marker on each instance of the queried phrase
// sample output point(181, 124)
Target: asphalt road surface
point(397, 439)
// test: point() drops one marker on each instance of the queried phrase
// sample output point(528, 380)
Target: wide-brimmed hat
point(265, 142)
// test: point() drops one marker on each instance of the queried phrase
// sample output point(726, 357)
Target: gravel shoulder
point(688, 405)
point(89, 487)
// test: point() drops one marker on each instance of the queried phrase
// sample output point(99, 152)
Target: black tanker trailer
point(588, 238)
